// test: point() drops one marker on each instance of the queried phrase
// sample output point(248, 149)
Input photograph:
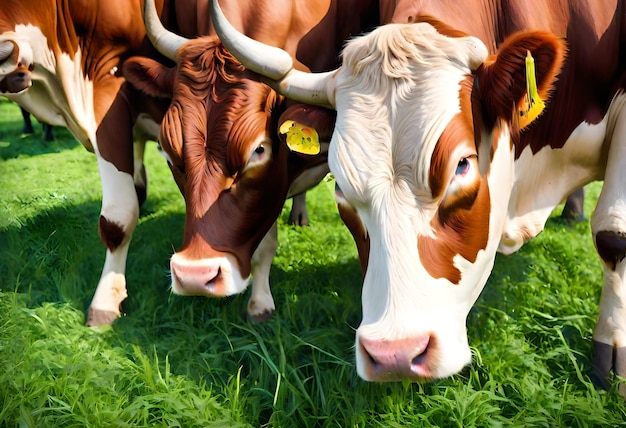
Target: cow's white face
point(431, 195)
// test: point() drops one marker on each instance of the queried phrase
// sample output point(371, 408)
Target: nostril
point(420, 359)
point(372, 360)
point(213, 280)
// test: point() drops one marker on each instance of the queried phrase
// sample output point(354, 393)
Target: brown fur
point(112, 234)
point(463, 231)
point(462, 222)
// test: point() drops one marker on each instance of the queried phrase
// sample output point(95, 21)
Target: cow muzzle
point(394, 360)
point(210, 277)
point(418, 357)
point(16, 82)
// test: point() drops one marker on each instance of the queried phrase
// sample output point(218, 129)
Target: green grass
point(183, 361)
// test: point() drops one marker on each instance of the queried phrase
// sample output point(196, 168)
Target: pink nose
point(392, 360)
point(197, 279)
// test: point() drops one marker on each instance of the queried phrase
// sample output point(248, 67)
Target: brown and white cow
point(62, 60)
point(220, 135)
point(438, 170)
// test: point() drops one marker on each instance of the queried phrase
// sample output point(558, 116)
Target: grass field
point(191, 362)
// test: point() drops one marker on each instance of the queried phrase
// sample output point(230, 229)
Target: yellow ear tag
point(532, 105)
point(301, 139)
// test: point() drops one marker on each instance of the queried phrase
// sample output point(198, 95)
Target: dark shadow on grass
point(13, 143)
point(58, 256)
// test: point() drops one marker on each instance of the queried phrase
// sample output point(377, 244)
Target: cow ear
point(515, 82)
point(149, 76)
point(304, 116)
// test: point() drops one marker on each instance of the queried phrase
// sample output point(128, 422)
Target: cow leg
point(609, 336)
point(608, 226)
point(47, 132)
point(28, 125)
point(574, 206)
point(299, 215)
point(118, 218)
point(261, 303)
point(140, 177)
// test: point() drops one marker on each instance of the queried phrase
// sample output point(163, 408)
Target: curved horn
point(8, 55)
point(6, 49)
point(273, 63)
point(163, 40)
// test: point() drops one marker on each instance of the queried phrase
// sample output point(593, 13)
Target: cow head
point(15, 76)
point(220, 138)
point(423, 154)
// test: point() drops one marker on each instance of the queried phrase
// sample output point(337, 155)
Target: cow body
point(438, 169)
point(221, 138)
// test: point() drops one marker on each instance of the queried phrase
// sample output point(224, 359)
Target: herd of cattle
point(453, 129)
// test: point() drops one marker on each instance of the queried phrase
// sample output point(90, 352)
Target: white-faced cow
point(439, 167)
point(220, 135)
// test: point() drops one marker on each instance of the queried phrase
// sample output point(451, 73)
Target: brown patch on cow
point(462, 231)
point(461, 224)
point(96, 317)
point(611, 247)
point(459, 130)
point(441, 27)
point(111, 233)
point(353, 222)
point(501, 79)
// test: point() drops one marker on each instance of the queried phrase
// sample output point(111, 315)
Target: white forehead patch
point(398, 91)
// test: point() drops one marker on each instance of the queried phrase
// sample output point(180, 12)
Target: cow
point(28, 126)
point(455, 138)
point(222, 141)
point(61, 60)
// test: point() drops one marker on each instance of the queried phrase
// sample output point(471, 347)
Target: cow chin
point(417, 358)
point(211, 277)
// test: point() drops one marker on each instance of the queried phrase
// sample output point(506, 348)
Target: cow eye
point(462, 167)
point(259, 156)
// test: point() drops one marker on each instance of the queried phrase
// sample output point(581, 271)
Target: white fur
point(610, 215)
point(120, 206)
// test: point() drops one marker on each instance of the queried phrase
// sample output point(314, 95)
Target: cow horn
point(163, 40)
point(273, 63)
point(8, 57)
point(6, 49)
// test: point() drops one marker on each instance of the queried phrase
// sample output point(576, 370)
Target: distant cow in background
point(454, 140)
point(18, 81)
point(222, 140)
point(28, 126)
